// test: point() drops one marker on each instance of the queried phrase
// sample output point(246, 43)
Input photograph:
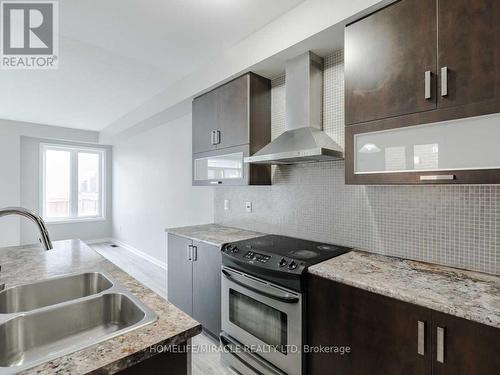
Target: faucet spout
point(44, 233)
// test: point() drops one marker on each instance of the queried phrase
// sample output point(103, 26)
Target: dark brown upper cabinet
point(232, 122)
point(410, 68)
point(391, 337)
point(387, 55)
point(469, 51)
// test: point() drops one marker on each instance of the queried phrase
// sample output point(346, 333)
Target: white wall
point(303, 21)
point(10, 167)
point(30, 196)
point(152, 187)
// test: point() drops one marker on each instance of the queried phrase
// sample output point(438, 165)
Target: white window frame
point(73, 196)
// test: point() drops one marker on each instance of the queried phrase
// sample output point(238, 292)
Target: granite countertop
point(213, 234)
point(470, 295)
point(31, 263)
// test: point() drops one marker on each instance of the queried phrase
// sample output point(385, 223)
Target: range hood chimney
point(303, 140)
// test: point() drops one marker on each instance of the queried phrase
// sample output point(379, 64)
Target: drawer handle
point(421, 337)
point(428, 76)
point(444, 81)
point(440, 345)
point(437, 177)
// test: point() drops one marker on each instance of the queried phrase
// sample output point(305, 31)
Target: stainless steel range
point(263, 302)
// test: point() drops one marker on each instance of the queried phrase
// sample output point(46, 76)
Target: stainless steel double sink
point(53, 317)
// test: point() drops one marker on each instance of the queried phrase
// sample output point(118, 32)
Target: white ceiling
point(115, 55)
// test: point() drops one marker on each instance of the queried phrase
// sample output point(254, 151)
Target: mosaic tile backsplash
point(458, 226)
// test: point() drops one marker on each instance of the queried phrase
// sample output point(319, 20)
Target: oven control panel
point(248, 254)
point(257, 257)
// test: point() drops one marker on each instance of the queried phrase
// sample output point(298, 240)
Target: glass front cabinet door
point(457, 151)
point(221, 167)
point(217, 168)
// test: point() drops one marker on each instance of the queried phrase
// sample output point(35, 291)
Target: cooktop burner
point(278, 258)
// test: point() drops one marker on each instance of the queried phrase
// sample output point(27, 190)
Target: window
point(72, 183)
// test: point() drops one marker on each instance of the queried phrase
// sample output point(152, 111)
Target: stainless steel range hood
point(303, 141)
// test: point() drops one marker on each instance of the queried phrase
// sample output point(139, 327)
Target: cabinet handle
point(217, 137)
point(428, 76)
point(444, 81)
point(194, 257)
point(421, 337)
point(213, 141)
point(440, 345)
point(437, 177)
point(190, 253)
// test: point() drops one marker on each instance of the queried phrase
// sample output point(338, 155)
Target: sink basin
point(51, 318)
point(28, 338)
point(52, 291)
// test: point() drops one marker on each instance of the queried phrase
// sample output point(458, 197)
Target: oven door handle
point(286, 299)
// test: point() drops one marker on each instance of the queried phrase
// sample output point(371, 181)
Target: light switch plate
point(248, 206)
point(226, 205)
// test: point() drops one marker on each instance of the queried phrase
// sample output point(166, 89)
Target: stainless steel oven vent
point(303, 141)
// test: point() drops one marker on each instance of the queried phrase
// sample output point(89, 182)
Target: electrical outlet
point(248, 206)
point(227, 206)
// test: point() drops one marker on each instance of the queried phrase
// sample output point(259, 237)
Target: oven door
point(264, 317)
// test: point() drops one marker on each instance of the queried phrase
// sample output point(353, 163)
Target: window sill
point(75, 220)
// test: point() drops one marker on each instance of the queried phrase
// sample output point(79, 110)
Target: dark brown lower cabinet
point(390, 337)
point(176, 362)
point(381, 332)
point(469, 348)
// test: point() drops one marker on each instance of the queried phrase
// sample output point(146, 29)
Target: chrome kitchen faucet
point(44, 233)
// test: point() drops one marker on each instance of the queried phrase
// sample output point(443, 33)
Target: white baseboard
point(139, 253)
point(98, 240)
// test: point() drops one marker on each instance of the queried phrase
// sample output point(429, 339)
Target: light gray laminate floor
point(154, 277)
point(205, 357)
